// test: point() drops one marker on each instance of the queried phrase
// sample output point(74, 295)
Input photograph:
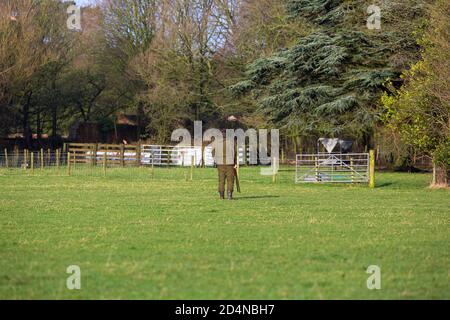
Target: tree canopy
point(330, 80)
point(420, 110)
point(308, 67)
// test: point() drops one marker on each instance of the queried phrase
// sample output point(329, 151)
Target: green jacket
point(227, 155)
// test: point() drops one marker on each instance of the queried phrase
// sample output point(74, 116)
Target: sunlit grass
point(138, 234)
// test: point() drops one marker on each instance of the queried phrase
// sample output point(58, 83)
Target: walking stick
point(236, 178)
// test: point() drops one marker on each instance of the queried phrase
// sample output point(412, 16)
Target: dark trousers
point(226, 173)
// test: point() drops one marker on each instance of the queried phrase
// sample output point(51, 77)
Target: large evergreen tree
point(329, 82)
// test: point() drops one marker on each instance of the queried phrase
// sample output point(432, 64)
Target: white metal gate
point(175, 156)
point(182, 156)
point(332, 168)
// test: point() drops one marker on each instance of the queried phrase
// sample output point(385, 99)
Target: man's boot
point(222, 195)
point(230, 195)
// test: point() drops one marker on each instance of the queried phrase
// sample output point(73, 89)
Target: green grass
point(168, 238)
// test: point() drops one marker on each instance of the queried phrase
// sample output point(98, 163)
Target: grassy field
point(137, 237)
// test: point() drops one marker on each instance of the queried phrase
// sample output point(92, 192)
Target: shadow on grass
point(384, 185)
point(255, 197)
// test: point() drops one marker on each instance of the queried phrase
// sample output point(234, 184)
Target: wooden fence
point(113, 154)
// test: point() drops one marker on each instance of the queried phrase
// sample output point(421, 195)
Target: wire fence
point(57, 162)
point(98, 159)
point(28, 160)
point(165, 164)
point(387, 160)
point(151, 161)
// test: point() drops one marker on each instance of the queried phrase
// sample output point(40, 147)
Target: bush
point(441, 155)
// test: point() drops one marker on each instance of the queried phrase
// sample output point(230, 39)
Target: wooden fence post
point(203, 164)
point(317, 169)
point(105, 160)
point(138, 154)
point(153, 165)
point(6, 158)
point(42, 159)
point(169, 155)
point(274, 173)
point(94, 154)
point(372, 169)
point(122, 155)
point(32, 162)
point(68, 163)
point(192, 168)
point(49, 156)
point(25, 158)
point(57, 158)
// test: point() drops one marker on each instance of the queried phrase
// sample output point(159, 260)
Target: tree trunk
point(440, 176)
point(54, 122)
point(27, 134)
point(140, 117)
point(54, 116)
point(38, 125)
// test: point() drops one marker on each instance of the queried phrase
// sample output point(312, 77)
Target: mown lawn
point(168, 238)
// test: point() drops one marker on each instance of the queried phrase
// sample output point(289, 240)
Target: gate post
point(372, 169)
point(169, 157)
point(94, 154)
point(352, 169)
point(317, 169)
point(122, 155)
point(139, 154)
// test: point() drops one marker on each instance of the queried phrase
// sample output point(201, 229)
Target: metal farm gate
point(176, 156)
point(332, 168)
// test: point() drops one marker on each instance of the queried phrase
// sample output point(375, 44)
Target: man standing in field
point(225, 156)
